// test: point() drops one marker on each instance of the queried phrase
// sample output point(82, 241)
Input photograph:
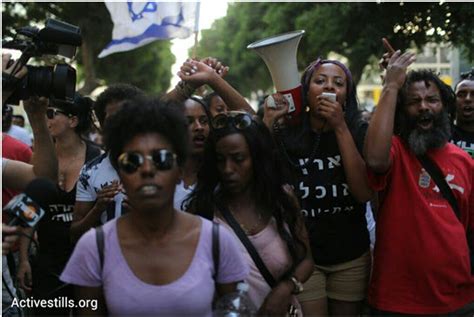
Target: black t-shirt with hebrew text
point(464, 139)
point(335, 221)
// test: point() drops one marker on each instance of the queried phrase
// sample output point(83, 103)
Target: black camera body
point(56, 82)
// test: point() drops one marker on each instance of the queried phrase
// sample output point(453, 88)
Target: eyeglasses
point(53, 112)
point(240, 120)
point(163, 160)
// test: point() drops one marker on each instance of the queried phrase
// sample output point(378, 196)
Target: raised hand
point(106, 195)
point(217, 65)
point(397, 68)
point(274, 109)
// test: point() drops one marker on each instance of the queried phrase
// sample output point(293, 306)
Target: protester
point(329, 175)
point(198, 130)
point(13, 149)
point(242, 174)
point(215, 104)
point(421, 260)
point(19, 133)
point(7, 68)
point(463, 132)
point(99, 197)
point(16, 175)
point(156, 260)
point(18, 120)
point(67, 123)
point(194, 73)
point(210, 72)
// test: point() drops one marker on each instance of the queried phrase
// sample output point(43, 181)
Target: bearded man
point(421, 259)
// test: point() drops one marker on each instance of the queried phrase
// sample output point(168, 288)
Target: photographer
point(7, 70)
point(16, 174)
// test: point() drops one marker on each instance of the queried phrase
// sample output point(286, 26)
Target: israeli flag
point(139, 23)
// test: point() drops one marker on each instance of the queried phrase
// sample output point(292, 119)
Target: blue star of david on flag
point(139, 23)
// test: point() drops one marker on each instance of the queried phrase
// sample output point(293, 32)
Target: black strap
point(447, 193)
point(215, 248)
point(248, 245)
point(440, 181)
point(99, 237)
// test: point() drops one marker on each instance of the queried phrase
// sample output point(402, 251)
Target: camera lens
point(64, 83)
point(58, 82)
point(39, 80)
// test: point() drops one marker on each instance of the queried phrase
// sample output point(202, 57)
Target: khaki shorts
point(347, 281)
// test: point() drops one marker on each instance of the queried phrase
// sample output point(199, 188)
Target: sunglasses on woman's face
point(53, 112)
point(163, 160)
point(240, 120)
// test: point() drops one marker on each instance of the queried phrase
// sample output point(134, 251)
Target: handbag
point(292, 310)
point(437, 175)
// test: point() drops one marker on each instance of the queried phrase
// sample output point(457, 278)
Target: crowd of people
point(190, 195)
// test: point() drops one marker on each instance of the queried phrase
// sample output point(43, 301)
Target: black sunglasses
point(53, 112)
point(240, 120)
point(163, 160)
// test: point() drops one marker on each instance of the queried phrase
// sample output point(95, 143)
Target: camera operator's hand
point(8, 66)
point(36, 106)
point(45, 163)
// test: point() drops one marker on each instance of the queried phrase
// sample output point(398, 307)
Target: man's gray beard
point(421, 141)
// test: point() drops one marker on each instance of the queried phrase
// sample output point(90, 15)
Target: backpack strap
point(99, 237)
point(215, 247)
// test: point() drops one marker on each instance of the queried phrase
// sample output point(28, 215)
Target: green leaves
point(353, 30)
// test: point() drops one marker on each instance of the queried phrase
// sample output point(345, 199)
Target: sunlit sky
point(210, 11)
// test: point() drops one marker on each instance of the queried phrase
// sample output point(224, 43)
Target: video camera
point(56, 82)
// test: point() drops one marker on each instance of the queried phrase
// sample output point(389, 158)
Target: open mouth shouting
point(468, 111)
point(199, 140)
point(425, 121)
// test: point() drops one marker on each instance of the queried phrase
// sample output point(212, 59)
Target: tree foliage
point(148, 67)
point(353, 30)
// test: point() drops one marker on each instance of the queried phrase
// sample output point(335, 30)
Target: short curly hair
point(114, 93)
point(142, 115)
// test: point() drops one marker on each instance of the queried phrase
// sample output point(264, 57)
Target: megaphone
point(279, 54)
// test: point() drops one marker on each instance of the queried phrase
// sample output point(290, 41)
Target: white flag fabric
point(139, 23)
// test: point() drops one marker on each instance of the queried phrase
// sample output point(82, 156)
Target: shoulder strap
point(249, 246)
point(215, 248)
point(440, 181)
point(99, 237)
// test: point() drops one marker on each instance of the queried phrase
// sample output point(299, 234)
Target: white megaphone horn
point(279, 54)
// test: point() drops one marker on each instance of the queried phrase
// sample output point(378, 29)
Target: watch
point(298, 285)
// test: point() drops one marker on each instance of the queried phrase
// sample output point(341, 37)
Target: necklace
point(249, 230)
point(65, 169)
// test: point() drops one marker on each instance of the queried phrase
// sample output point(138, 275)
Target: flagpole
point(196, 34)
point(196, 29)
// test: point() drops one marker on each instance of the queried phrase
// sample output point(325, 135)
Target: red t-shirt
point(421, 259)
point(14, 150)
